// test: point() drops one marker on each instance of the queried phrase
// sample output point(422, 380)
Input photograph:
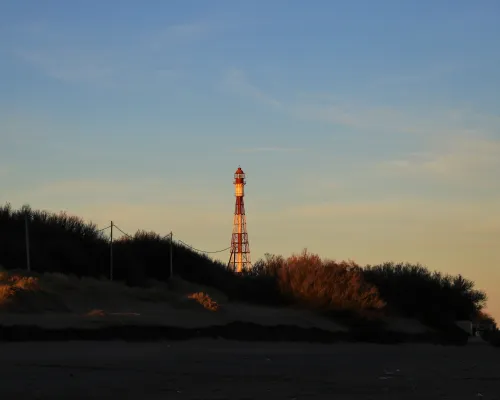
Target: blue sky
point(368, 130)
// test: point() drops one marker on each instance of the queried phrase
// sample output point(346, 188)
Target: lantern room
point(239, 183)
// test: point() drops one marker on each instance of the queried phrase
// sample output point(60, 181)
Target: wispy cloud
point(237, 81)
point(367, 118)
point(60, 59)
point(182, 34)
point(268, 150)
point(422, 75)
point(467, 215)
point(95, 187)
point(38, 44)
point(457, 145)
point(189, 30)
point(111, 71)
point(110, 191)
point(68, 66)
point(397, 120)
point(472, 160)
point(135, 205)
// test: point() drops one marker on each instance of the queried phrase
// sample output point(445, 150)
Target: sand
point(164, 314)
point(238, 370)
point(58, 301)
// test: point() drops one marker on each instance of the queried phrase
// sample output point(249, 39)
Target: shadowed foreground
point(232, 331)
point(204, 369)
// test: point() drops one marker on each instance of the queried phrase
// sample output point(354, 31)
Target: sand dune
point(72, 302)
point(57, 301)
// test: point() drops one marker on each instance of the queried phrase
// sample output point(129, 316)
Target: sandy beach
point(208, 369)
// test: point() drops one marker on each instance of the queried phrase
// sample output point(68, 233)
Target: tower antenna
point(239, 260)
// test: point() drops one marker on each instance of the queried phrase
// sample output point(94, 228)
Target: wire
point(131, 237)
point(126, 234)
point(103, 229)
point(178, 240)
point(203, 251)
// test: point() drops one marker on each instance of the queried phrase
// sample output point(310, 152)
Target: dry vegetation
point(19, 293)
point(73, 255)
point(23, 292)
point(205, 300)
point(308, 280)
point(96, 313)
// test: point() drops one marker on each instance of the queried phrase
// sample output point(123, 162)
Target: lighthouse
point(239, 260)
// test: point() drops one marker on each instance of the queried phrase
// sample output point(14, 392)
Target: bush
point(326, 285)
point(19, 293)
point(492, 337)
point(311, 282)
point(205, 300)
point(413, 291)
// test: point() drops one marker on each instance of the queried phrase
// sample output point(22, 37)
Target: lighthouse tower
point(239, 259)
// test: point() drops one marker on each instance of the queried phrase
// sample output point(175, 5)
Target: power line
point(178, 240)
point(167, 236)
point(203, 251)
point(125, 233)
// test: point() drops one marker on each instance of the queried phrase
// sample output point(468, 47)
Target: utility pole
point(111, 254)
point(171, 255)
point(26, 232)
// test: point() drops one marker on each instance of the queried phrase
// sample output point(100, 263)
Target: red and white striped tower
point(239, 259)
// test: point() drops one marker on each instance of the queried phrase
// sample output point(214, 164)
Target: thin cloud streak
point(386, 120)
point(69, 67)
point(189, 32)
point(178, 34)
point(468, 160)
point(237, 81)
point(104, 192)
point(459, 148)
point(77, 67)
point(268, 150)
point(391, 120)
point(416, 214)
point(425, 74)
point(62, 61)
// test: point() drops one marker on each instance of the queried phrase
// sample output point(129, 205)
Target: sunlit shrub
point(205, 300)
point(308, 280)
